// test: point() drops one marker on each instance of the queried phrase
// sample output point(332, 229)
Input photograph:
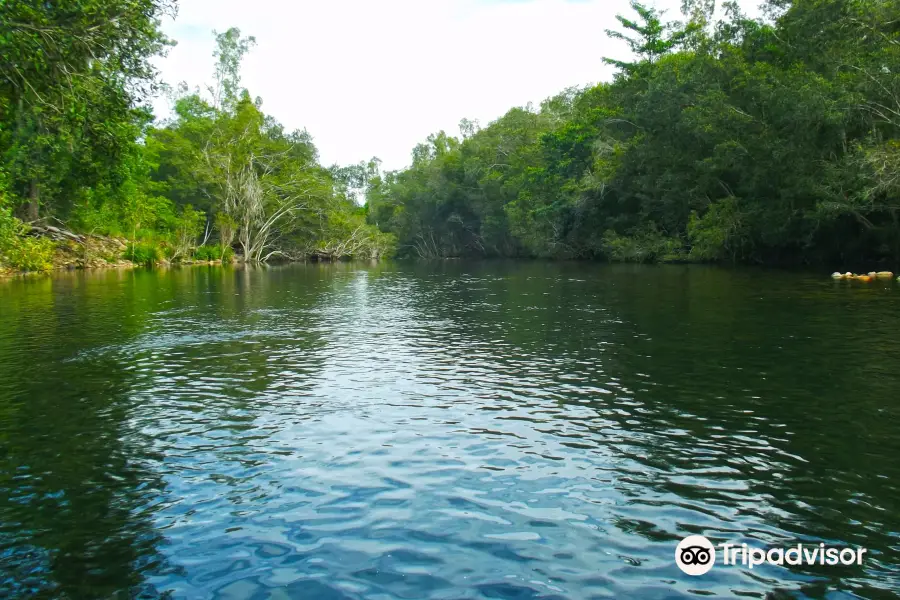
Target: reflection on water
point(496, 430)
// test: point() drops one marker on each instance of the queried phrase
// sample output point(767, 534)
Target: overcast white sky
point(375, 77)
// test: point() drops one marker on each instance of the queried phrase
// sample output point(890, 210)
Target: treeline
point(768, 140)
point(79, 148)
point(757, 140)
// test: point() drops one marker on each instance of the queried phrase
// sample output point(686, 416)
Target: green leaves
point(72, 75)
point(254, 185)
point(744, 140)
point(653, 38)
point(738, 140)
point(18, 252)
point(231, 48)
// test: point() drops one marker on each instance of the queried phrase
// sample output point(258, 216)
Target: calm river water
point(447, 431)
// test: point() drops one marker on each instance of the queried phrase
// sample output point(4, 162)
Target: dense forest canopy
point(721, 138)
point(735, 139)
point(79, 148)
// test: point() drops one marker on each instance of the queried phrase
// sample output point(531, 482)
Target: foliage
point(346, 235)
point(756, 140)
point(654, 38)
point(231, 48)
point(261, 188)
point(143, 253)
point(73, 76)
point(647, 245)
point(740, 140)
point(78, 146)
point(17, 251)
point(718, 234)
point(28, 254)
point(188, 226)
point(207, 253)
point(214, 253)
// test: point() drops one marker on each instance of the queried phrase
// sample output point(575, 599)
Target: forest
point(720, 138)
point(82, 156)
point(731, 139)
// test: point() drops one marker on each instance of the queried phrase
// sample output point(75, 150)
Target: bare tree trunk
point(34, 202)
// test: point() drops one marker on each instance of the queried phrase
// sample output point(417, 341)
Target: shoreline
point(94, 253)
point(6, 274)
point(87, 252)
point(127, 265)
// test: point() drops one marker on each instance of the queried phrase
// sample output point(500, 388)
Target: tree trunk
point(34, 202)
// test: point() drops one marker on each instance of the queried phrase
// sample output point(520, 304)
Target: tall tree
point(71, 74)
point(230, 50)
point(652, 38)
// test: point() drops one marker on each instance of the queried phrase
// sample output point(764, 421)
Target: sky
point(375, 77)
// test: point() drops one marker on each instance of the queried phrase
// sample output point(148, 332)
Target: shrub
point(718, 233)
point(188, 225)
point(207, 253)
point(95, 211)
point(213, 253)
point(647, 245)
point(143, 253)
point(19, 252)
point(347, 235)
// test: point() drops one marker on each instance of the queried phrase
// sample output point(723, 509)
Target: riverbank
point(71, 251)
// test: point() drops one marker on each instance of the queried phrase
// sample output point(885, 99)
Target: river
point(445, 430)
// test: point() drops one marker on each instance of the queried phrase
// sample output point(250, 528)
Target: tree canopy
point(78, 146)
point(720, 138)
point(742, 140)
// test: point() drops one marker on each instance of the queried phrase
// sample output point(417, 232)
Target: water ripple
point(501, 431)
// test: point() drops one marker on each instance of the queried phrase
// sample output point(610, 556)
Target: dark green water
point(444, 431)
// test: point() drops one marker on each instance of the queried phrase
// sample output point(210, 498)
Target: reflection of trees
point(75, 481)
point(765, 394)
point(770, 407)
point(97, 373)
point(244, 330)
point(786, 388)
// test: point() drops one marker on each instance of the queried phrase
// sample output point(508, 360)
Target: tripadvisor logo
point(695, 555)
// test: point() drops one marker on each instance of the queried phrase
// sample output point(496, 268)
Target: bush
point(647, 245)
point(96, 212)
point(188, 225)
point(19, 252)
point(718, 233)
point(207, 253)
point(347, 235)
point(143, 253)
point(29, 254)
point(210, 253)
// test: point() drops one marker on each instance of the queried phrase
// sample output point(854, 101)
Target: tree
point(71, 75)
point(698, 9)
point(188, 227)
point(230, 50)
point(261, 187)
point(740, 139)
point(653, 40)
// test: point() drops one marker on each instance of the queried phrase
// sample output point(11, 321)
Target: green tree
point(230, 50)
point(651, 40)
point(261, 187)
point(71, 75)
point(739, 139)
